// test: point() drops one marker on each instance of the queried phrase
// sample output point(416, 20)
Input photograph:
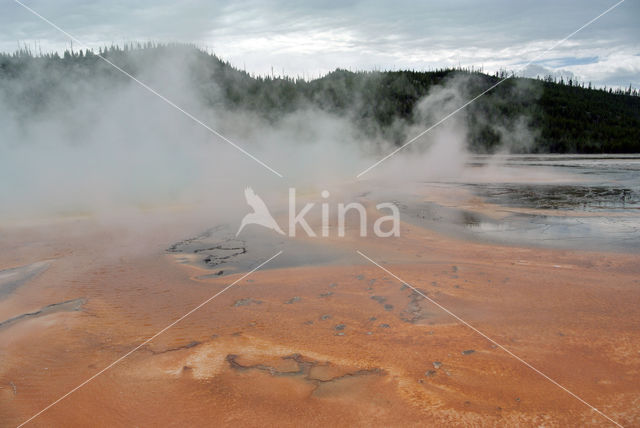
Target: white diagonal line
point(428, 129)
point(150, 339)
point(555, 45)
point(488, 338)
point(574, 33)
point(153, 91)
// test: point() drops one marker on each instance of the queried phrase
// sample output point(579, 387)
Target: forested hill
point(562, 117)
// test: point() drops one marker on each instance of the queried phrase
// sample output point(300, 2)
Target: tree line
point(559, 116)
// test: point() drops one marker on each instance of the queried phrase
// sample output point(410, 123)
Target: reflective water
point(589, 202)
point(586, 182)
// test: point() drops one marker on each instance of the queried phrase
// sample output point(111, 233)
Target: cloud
point(567, 61)
point(538, 71)
point(310, 38)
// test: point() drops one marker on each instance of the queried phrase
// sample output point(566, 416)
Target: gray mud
point(219, 250)
point(11, 279)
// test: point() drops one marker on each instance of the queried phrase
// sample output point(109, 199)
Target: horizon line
point(37, 52)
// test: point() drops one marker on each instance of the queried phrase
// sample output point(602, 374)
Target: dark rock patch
point(379, 299)
point(246, 302)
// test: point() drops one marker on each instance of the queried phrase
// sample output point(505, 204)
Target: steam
point(442, 152)
point(106, 149)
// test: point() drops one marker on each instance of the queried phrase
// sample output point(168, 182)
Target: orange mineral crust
point(340, 343)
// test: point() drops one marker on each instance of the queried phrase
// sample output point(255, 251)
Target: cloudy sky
point(310, 38)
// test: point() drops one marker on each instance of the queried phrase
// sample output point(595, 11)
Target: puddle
point(219, 250)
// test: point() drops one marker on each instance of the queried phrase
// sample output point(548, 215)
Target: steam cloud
point(105, 148)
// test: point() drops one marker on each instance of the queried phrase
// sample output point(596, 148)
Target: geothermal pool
point(576, 201)
point(539, 253)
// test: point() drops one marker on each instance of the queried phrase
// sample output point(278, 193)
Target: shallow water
point(587, 183)
point(224, 253)
point(569, 201)
point(11, 279)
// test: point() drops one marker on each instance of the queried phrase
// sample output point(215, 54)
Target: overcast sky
point(312, 38)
